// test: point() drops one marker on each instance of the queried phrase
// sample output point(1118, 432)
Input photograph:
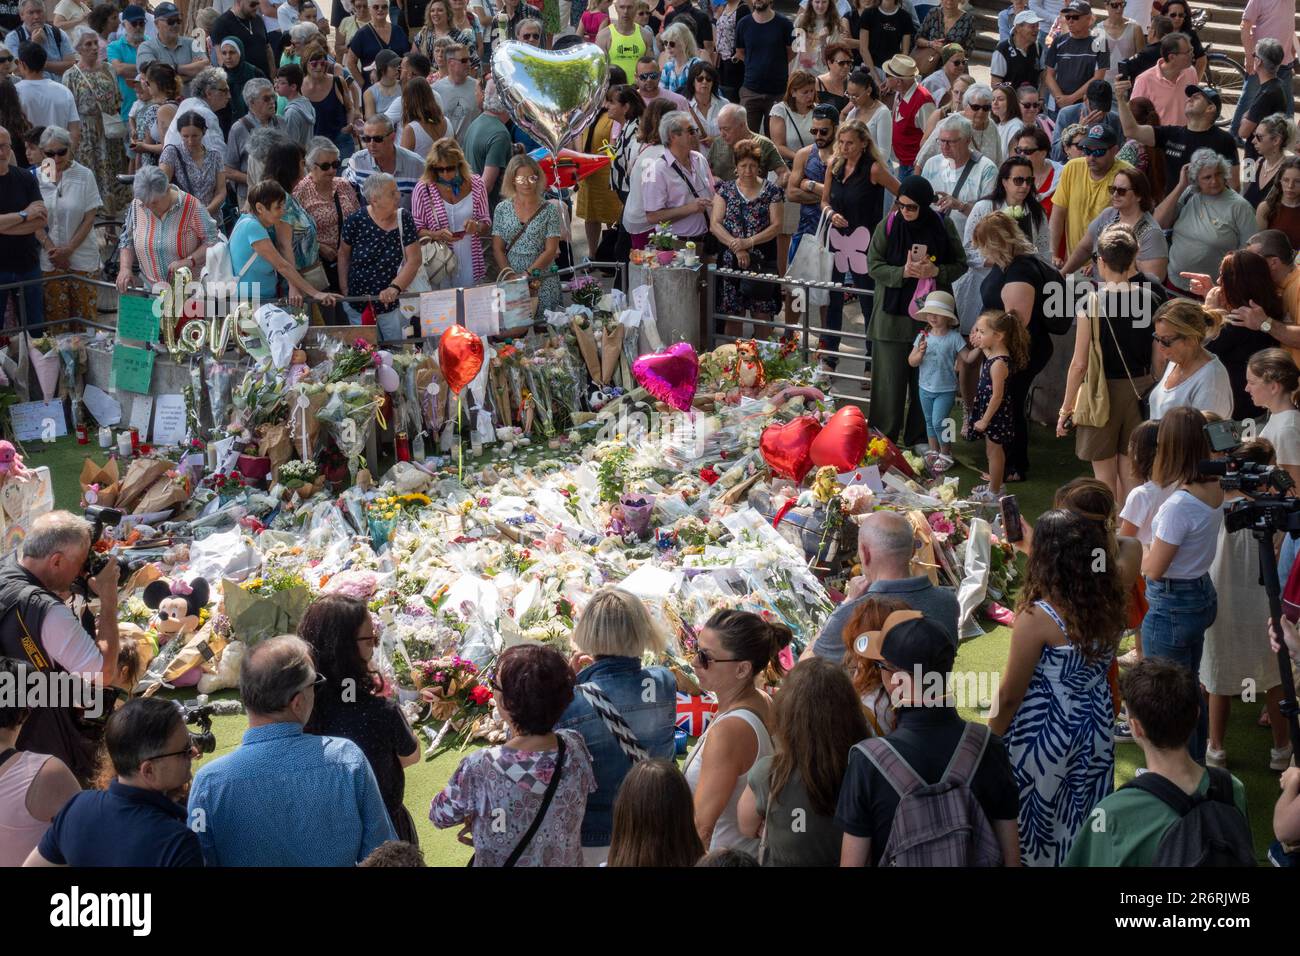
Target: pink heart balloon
point(670, 375)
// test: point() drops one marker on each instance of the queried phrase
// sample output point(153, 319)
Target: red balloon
point(842, 441)
point(572, 168)
point(460, 355)
point(786, 447)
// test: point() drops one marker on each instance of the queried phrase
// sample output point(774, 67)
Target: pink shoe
point(996, 612)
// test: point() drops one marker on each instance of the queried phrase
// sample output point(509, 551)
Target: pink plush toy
point(11, 463)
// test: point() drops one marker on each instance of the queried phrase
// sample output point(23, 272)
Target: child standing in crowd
point(935, 353)
point(1002, 340)
point(1135, 517)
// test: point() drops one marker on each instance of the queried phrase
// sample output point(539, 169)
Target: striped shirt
point(430, 212)
point(408, 169)
point(177, 235)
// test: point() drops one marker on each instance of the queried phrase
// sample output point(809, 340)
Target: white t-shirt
point(68, 201)
point(48, 103)
point(1208, 389)
point(1141, 505)
point(1283, 430)
point(1190, 523)
point(67, 642)
point(286, 15)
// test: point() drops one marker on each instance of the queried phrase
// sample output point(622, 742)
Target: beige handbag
point(1092, 404)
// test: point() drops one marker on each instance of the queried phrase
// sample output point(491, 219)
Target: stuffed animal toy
point(227, 671)
point(177, 604)
point(11, 463)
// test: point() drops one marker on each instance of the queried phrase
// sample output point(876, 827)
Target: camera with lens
point(100, 517)
point(1265, 485)
point(204, 741)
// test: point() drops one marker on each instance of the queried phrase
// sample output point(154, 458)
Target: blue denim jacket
point(647, 699)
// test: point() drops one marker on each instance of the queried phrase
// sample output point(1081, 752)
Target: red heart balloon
point(786, 447)
point(460, 355)
point(842, 441)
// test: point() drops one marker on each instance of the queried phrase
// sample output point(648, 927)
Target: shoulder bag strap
point(686, 179)
point(523, 228)
point(547, 797)
point(338, 210)
point(1122, 361)
point(961, 181)
point(614, 722)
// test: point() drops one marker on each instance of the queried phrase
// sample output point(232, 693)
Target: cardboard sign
point(132, 369)
point(38, 421)
point(106, 409)
point(437, 312)
point(136, 319)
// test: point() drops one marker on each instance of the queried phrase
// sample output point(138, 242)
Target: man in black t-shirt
point(909, 646)
point(22, 213)
point(765, 42)
point(243, 21)
point(1272, 96)
point(888, 34)
point(1178, 143)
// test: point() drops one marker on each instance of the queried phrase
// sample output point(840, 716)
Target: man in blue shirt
point(135, 822)
point(58, 48)
point(886, 543)
point(122, 52)
point(286, 798)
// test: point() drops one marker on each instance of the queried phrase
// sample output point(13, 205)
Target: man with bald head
point(284, 797)
point(886, 544)
point(732, 129)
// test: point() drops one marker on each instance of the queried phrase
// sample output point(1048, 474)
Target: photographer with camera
point(38, 626)
point(136, 821)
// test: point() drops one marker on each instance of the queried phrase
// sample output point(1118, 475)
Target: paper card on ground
point(106, 409)
point(38, 421)
point(132, 369)
point(136, 319)
point(169, 421)
point(868, 475)
point(141, 414)
point(437, 312)
point(482, 309)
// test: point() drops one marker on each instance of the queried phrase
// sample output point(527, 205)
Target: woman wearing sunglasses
point(735, 650)
point(1131, 203)
point(379, 34)
point(1124, 36)
point(450, 205)
point(348, 704)
point(328, 199)
point(334, 103)
point(680, 54)
point(68, 245)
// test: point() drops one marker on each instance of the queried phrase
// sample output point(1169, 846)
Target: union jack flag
point(695, 712)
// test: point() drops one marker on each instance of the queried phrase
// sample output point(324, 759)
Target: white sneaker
point(1279, 758)
point(1216, 758)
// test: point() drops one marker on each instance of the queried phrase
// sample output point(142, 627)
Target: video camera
point(100, 517)
point(1265, 485)
point(205, 741)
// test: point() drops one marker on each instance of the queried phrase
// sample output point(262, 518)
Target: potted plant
point(665, 244)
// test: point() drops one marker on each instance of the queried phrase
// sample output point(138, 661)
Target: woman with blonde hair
point(450, 205)
point(423, 122)
point(526, 230)
point(1189, 374)
point(790, 128)
point(624, 711)
point(680, 53)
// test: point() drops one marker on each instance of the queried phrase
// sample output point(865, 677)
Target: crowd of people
point(336, 157)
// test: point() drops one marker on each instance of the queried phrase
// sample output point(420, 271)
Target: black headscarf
point(928, 229)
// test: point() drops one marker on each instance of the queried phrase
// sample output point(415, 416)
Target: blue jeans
point(1179, 613)
point(1251, 90)
point(936, 406)
point(835, 311)
point(390, 324)
point(33, 297)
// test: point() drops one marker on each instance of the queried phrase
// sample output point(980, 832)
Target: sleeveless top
point(811, 214)
point(625, 50)
point(331, 113)
point(726, 833)
point(19, 830)
point(1287, 218)
point(423, 141)
point(382, 99)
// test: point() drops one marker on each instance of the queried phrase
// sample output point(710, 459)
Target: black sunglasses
point(375, 139)
point(1022, 180)
point(55, 152)
point(707, 660)
point(445, 169)
point(6, 59)
point(906, 206)
point(334, 165)
point(173, 21)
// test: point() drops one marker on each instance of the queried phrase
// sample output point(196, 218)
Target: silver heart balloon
point(553, 96)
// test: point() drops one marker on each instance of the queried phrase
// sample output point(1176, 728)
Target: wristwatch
point(23, 215)
point(1266, 325)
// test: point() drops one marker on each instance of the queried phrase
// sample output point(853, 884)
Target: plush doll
point(11, 463)
point(177, 605)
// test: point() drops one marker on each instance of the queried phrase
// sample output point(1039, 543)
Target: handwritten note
point(437, 312)
point(132, 369)
point(136, 319)
point(106, 409)
point(482, 309)
point(141, 413)
point(38, 421)
point(169, 422)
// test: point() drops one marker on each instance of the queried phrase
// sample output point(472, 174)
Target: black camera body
point(100, 517)
point(205, 741)
point(1249, 477)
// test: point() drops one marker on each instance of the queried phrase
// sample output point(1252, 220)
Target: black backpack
point(1210, 831)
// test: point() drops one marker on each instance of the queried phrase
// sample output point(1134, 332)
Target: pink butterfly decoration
point(851, 250)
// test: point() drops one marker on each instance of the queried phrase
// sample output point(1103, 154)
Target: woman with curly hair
point(869, 615)
point(818, 720)
point(1054, 708)
point(343, 641)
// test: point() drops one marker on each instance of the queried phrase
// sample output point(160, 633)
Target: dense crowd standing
point(333, 154)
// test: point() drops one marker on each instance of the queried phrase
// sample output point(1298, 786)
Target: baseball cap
point(386, 58)
point(1026, 16)
point(165, 10)
point(134, 14)
point(1099, 137)
point(1209, 92)
point(1077, 6)
point(907, 640)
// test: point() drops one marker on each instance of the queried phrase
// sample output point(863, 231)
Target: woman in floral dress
point(95, 89)
point(746, 220)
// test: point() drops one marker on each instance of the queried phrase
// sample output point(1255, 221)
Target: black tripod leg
point(1273, 588)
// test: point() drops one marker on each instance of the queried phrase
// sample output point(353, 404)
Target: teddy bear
point(11, 463)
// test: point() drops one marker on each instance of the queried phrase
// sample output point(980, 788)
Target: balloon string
point(460, 444)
